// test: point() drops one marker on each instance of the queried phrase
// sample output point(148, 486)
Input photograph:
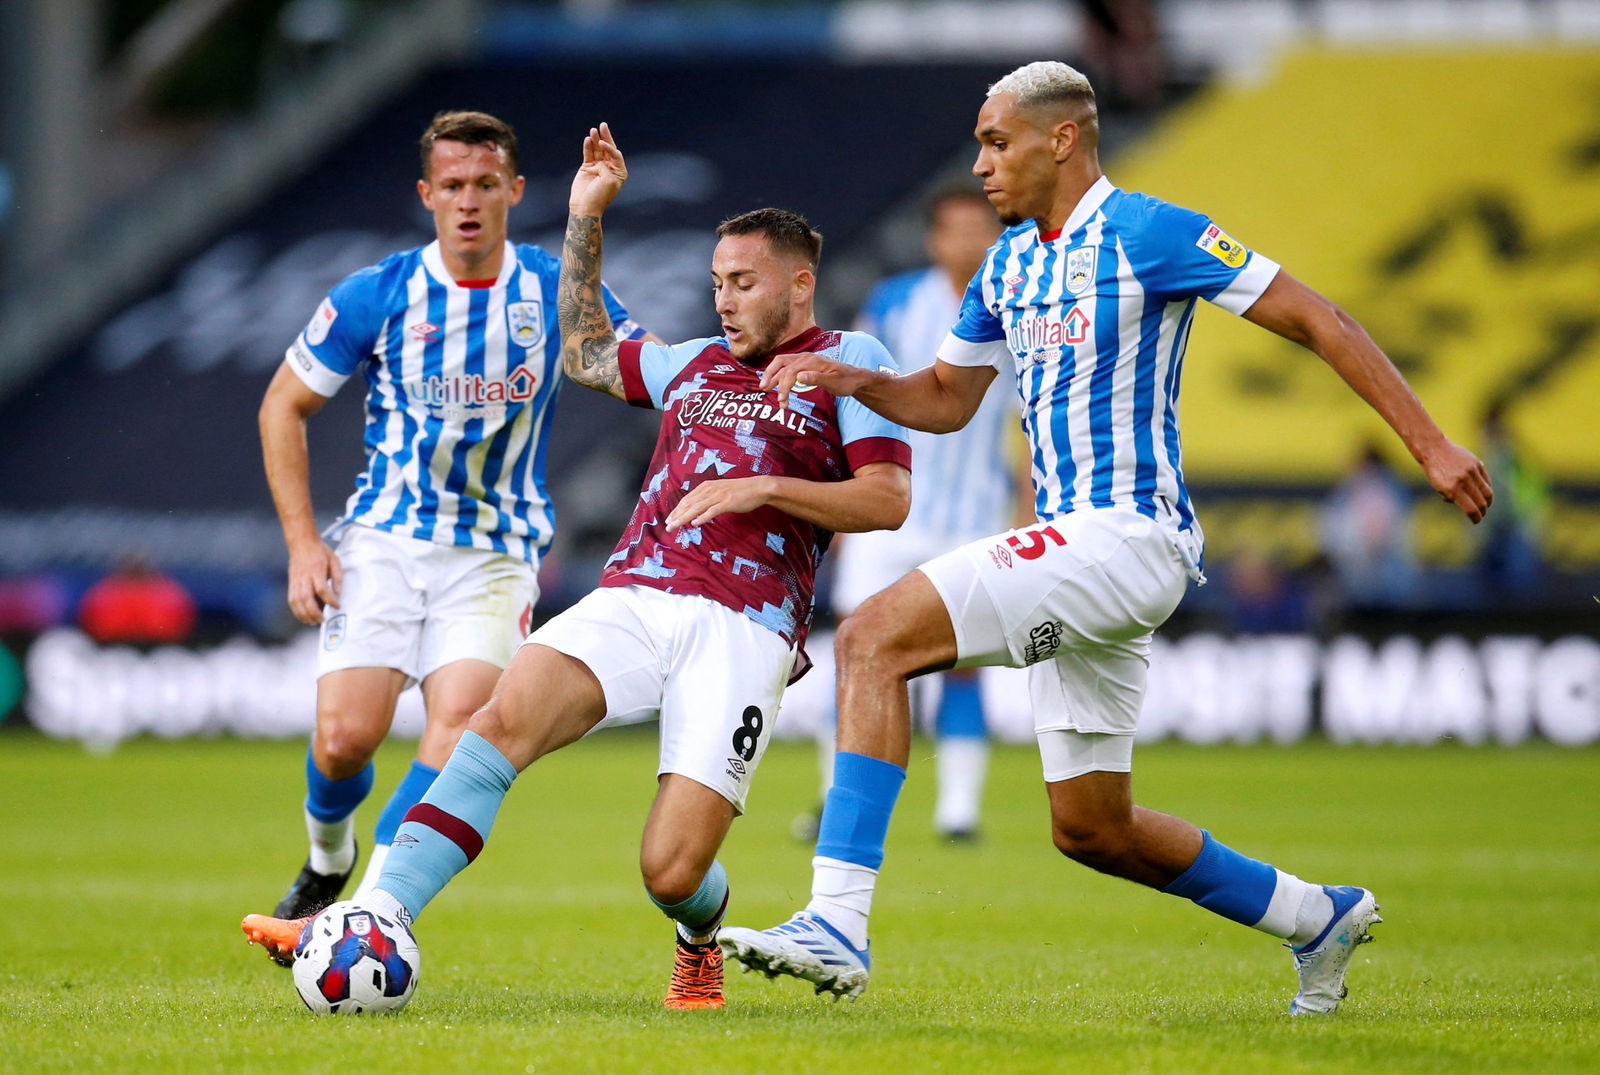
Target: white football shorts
point(1075, 600)
point(417, 606)
point(713, 677)
point(868, 562)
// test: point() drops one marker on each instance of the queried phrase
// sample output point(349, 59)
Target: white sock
point(1295, 903)
point(1316, 909)
point(962, 762)
point(841, 892)
point(827, 747)
point(369, 879)
point(383, 903)
point(333, 844)
point(702, 938)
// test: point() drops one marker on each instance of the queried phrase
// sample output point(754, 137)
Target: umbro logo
point(403, 838)
point(722, 368)
point(1012, 284)
point(424, 330)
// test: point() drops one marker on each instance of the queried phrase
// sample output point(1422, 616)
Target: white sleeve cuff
point(1247, 287)
point(317, 377)
point(959, 352)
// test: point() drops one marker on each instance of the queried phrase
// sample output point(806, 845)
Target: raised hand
point(601, 175)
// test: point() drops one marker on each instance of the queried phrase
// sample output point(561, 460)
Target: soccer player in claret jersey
point(430, 575)
point(702, 609)
point(1088, 297)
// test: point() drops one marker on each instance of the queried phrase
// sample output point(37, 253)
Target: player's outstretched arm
point(1296, 312)
point(314, 572)
point(939, 399)
point(588, 342)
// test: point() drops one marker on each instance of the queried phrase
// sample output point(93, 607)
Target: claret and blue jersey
point(460, 382)
point(720, 423)
point(1094, 319)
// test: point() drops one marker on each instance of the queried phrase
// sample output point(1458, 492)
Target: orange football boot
point(278, 935)
point(696, 977)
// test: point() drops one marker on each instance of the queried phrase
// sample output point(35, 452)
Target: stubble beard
point(767, 332)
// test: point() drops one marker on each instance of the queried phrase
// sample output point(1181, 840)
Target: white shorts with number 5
point(1075, 600)
point(713, 677)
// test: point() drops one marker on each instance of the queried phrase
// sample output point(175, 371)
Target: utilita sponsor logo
point(1030, 333)
point(722, 408)
point(473, 390)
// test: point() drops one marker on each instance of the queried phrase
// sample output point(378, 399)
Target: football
point(352, 960)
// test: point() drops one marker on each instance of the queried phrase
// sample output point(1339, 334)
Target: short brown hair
point(473, 129)
point(788, 232)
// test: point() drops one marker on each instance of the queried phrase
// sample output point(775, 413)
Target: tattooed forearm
point(588, 342)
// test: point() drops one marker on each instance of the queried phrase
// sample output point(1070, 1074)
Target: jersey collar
point(1087, 206)
point(433, 261)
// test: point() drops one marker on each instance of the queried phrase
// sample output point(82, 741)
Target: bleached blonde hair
point(1048, 82)
point(1044, 80)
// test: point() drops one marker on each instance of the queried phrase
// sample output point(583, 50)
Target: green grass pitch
point(123, 878)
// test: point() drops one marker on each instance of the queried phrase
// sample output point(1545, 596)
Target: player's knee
point(452, 715)
point(344, 749)
point(1099, 846)
point(869, 638)
point(669, 879)
point(489, 720)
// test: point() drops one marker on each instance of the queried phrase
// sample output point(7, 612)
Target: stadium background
point(182, 181)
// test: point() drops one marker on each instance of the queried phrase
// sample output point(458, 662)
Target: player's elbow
point(944, 422)
point(893, 503)
point(896, 507)
point(274, 412)
point(1327, 327)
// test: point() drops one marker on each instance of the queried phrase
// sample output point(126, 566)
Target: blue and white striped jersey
point(1095, 319)
point(460, 382)
point(961, 484)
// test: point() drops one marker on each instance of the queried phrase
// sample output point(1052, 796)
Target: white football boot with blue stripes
point(804, 947)
point(1322, 963)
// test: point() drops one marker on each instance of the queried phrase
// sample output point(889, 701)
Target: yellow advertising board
point(1448, 199)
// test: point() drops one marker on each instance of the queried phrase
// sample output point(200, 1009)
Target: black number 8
point(744, 740)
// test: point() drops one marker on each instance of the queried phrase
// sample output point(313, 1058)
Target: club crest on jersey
point(1080, 268)
point(321, 322)
point(1222, 246)
point(525, 321)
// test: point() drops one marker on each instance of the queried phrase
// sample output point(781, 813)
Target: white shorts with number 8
point(713, 677)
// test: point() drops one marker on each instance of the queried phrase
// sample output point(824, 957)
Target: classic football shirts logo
point(724, 408)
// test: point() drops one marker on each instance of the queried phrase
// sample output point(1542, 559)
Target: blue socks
point(1227, 883)
point(960, 714)
point(701, 913)
point(855, 817)
point(447, 829)
point(413, 786)
point(334, 800)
